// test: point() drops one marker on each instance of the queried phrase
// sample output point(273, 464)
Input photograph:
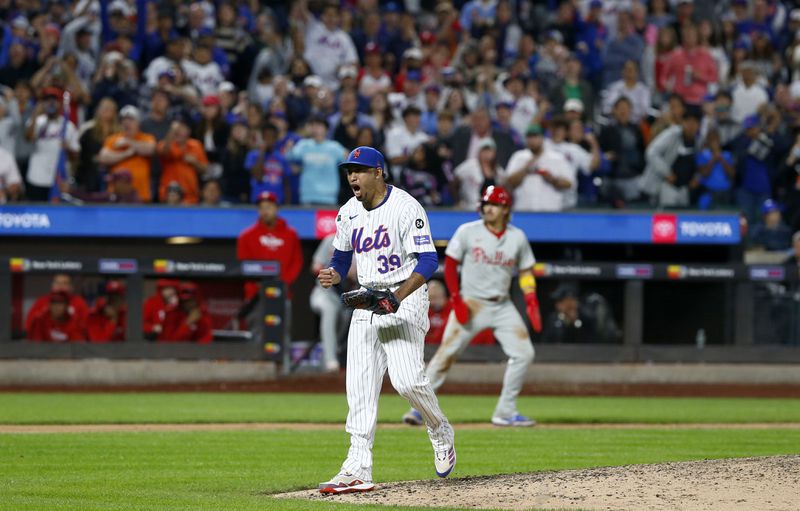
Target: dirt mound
point(751, 484)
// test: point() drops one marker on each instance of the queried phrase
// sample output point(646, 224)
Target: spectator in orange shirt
point(56, 323)
point(130, 149)
point(188, 321)
point(77, 306)
point(182, 159)
point(108, 317)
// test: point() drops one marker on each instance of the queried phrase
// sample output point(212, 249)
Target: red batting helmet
point(496, 195)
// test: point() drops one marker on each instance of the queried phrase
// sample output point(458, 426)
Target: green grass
point(237, 470)
point(68, 408)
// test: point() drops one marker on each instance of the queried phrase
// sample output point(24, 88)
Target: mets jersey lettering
point(380, 240)
point(385, 240)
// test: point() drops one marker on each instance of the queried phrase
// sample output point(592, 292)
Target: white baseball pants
point(393, 341)
point(328, 305)
point(509, 330)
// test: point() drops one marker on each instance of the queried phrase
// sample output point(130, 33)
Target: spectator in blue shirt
point(715, 172)
point(753, 150)
point(317, 159)
point(429, 116)
point(269, 170)
point(477, 13)
point(591, 40)
point(773, 234)
point(628, 45)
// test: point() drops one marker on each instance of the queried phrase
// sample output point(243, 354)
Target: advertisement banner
point(226, 223)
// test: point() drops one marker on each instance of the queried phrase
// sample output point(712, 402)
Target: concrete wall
point(756, 374)
point(130, 372)
point(153, 372)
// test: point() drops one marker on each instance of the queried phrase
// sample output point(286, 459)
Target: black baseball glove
point(379, 302)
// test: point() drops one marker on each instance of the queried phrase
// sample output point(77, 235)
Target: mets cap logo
point(356, 154)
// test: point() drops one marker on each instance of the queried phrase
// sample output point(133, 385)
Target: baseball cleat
point(516, 420)
point(445, 461)
point(413, 418)
point(344, 482)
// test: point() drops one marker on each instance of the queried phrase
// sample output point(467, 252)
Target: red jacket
point(77, 308)
point(278, 243)
point(438, 321)
point(175, 328)
point(102, 329)
point(43, 328)
point(153, 312)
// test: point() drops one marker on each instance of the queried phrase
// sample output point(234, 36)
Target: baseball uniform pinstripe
point(488, 263)
point(385, 241)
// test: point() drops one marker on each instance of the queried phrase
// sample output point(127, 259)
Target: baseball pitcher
point(387, 232)
point(489, 251)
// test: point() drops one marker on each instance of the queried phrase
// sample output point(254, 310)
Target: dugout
point(665, 276)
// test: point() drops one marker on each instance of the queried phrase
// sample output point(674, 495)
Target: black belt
point(496, 299)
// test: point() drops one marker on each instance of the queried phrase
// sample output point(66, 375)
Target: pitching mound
point(750, 484)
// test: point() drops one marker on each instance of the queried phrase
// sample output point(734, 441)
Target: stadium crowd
point(572, 103)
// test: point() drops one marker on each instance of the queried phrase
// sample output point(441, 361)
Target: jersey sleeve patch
point(422, 240)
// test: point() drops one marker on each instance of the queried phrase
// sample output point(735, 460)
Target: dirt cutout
point(746, 484)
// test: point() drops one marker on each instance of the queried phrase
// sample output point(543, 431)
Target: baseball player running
point(388, 233)
point(489, 250)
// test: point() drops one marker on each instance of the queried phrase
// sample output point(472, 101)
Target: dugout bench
point(270, 305)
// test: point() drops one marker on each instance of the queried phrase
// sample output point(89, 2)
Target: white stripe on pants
point(509, 330)
point(393, 341)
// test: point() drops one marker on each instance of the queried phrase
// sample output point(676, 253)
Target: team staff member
point(56, 323)
point(270, 239)
point(387, 232)
point(76, 305)
point(108, 318)
point(489, 251)
point(155, 307)
point(188, 321)
point(130, 149)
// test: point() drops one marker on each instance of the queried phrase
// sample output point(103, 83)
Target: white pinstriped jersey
point(487, 262)
point(386, 239)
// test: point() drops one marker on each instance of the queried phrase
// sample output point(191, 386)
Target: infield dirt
point(751, 484)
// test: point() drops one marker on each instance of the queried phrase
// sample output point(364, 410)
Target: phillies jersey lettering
point(271, 242)
point(499, 258)
point(488, 263)
point(385, 240)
